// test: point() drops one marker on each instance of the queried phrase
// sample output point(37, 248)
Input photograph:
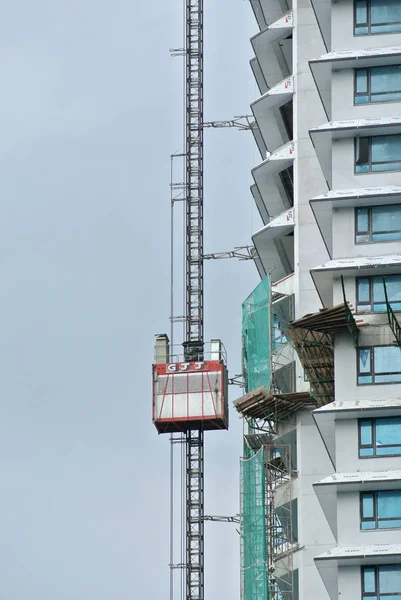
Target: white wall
point(349, 583)
point(314, 533)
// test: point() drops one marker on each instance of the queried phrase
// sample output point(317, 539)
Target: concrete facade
point(309, 160)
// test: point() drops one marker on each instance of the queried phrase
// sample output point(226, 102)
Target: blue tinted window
point(380, 510)
point(378, 84)
point(371, 296)
point(378, 153)
point(380, 437)
point(366, 432)
point(377, 16)
point(390, 579)
point(369, 580)
point(378, 223)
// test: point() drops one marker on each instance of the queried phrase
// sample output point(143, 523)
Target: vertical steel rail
point(194, 170)
point(194, 290)
point(195, 514)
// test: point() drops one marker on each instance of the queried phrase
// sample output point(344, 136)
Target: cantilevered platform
point(261, 404)
point(313, 338)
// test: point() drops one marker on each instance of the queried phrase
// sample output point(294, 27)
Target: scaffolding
point(282, 536)
point(254, 585)
point(313, 339)
point(272, 485)
point(256, 337)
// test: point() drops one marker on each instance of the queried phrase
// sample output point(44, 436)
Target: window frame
point(360, 305)
point(369, 93)
point(370, 231)
point(372, 372)
point(368, 25)
point(376, 518)
point(369, 163)
point(373, 445)
point(378, 594)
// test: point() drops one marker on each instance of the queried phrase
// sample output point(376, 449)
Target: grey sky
point(90, 112)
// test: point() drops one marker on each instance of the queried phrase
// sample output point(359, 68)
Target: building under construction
point(320, 474)
point(321, 465)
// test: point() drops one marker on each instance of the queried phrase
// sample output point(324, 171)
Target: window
point(377, 84)
point(370, 293)
point(381, 582)
point(278, 335)
point(380, 510)
point(379, 364)
point(378, 224)
point(377, 154)
point(287, 179)
point(379, 437)
point(377, 16)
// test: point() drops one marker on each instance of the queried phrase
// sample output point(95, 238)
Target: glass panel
point(361, 81)
point(388, 450)
point(393, 524)
point(364, 100)
point(388, 378)
point(362, 239)
point(365, 379)
point(362, 219)
point(367, 506)
point(364, 360)
point(385, 79)
point(361, 11)
point(387, 359)
point(386, 166)
point(388, 504)
point(369, 583)
point(393, 287)
point(385, 11)
point(390, 97)
point(365, 428)
point(385, 237)
point(389, 579)
point(385, 28)
point(363, 452)
point(365, 525)
point(364, 289)
point(386, 148)
point(388, 431)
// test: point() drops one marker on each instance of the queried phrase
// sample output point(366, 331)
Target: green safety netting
point(256, 336)
point(253, 526)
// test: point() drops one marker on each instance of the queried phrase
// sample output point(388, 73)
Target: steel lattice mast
point(194, 290)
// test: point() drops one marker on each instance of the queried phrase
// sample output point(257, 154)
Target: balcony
point(327, 489)
point(348, 59)
point(266, 11)
point(322, 206)
point(273, 51)
point(273, 124)
point(274, 247)
point(275, 190)
point(259, 77)
point(326, 416)
point(323, 276)
point(322, 137)
point(345, 556)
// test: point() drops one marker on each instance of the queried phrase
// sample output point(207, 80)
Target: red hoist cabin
point(189, 394)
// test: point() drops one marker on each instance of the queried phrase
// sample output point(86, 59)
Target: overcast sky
point(90, 112)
